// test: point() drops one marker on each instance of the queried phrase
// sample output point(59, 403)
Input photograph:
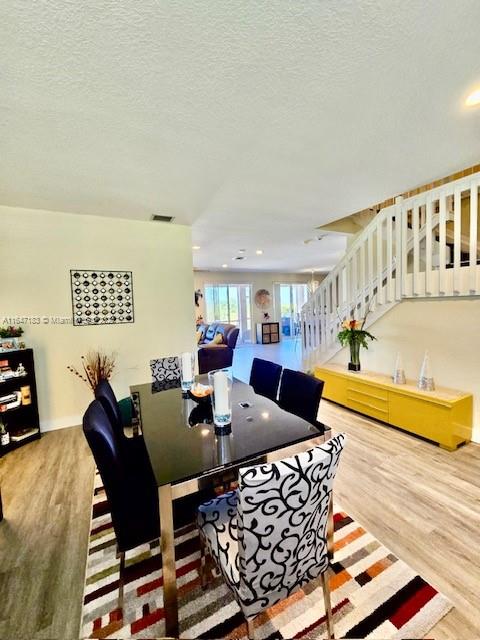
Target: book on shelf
point(21, 434)
point(10, 401)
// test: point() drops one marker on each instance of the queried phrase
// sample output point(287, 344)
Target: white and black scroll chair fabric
point(269, 538)
point(166, 372)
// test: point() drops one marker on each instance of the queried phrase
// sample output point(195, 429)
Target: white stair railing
point(414, 248)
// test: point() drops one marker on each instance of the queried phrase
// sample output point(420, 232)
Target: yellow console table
point(444, 416)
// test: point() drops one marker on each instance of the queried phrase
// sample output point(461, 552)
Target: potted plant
point(354, 335)
point(9, 337)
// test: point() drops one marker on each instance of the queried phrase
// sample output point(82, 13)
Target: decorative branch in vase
point(97, 366)
point(354, 335)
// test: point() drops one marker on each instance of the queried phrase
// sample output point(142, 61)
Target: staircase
point(425, 246)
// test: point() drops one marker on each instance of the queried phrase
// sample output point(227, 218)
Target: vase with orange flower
point(354, 335)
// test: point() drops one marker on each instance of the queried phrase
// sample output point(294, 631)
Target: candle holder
point(223, 449)
point(187, 368)
point(221, 382)
point(224, 430)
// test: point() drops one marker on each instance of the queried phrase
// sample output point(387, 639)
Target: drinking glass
point(187, 369)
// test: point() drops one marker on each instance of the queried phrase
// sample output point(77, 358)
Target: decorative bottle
point(4, 435)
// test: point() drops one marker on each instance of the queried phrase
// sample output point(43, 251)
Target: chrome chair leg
point(328, 605)
point(121, 579)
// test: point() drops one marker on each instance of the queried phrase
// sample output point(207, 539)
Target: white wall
point(37, 251)
point(446, 328)
point(258, 280)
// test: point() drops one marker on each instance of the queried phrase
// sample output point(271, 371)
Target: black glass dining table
point(186, 454)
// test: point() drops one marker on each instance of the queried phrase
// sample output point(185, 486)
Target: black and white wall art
point(101, 297)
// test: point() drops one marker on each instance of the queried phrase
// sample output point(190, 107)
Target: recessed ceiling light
point(259, 252)
point(224, 266)
point(241, 250)
point(473, 99)
point(315, 239)
point(196, 247)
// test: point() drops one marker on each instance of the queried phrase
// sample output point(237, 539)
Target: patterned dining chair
point(265, 377)
point(269, 537)
point(165, 370)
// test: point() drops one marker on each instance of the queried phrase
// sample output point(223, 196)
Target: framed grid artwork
point(101, 297)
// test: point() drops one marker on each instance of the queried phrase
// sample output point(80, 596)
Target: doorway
point(289, 300)
point(232, 304)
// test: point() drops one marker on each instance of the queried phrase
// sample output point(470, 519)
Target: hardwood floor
point(420, 501)
point(287, 352)
point(47, 493)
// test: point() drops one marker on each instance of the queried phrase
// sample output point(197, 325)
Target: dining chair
point(165, 369)
point(129, 484)
point(265, 377)
point(300, 394)
point(269, 538)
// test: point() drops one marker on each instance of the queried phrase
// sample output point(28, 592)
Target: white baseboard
point(60, 423)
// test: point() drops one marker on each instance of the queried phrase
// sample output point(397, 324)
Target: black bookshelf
point(24, 416)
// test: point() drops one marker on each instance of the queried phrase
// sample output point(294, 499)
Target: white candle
point(220, 389)
point(187, 373)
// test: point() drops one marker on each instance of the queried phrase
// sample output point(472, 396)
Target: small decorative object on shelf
point(97, 366)
point(355, 336)
point(9, 338)
point(26, 395)
point(20, 370)
point(399, 372)
point(425, 381)
point(4, 435)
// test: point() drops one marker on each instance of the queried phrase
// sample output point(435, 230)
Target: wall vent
point(158, 218)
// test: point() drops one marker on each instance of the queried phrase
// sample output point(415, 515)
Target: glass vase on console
point(354, 335)
point(354, 364)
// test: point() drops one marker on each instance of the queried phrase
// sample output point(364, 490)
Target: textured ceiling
point(253, 121)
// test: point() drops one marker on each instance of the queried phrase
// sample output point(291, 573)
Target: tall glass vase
point(354, 364)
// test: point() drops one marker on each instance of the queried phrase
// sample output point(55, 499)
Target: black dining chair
point(265, 377)
point(106, 395)
point(129, 484)
point(300, 394)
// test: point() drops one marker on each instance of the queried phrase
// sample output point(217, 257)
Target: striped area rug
point(374, 594)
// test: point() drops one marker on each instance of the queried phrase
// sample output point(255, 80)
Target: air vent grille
point(239, 258)
point(159, 218)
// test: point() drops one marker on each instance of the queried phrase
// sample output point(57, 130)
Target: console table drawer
point(363, 405)
point(369, 399)
point(376, 393)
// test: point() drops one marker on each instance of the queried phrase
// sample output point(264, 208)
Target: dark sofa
point(216, 356)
